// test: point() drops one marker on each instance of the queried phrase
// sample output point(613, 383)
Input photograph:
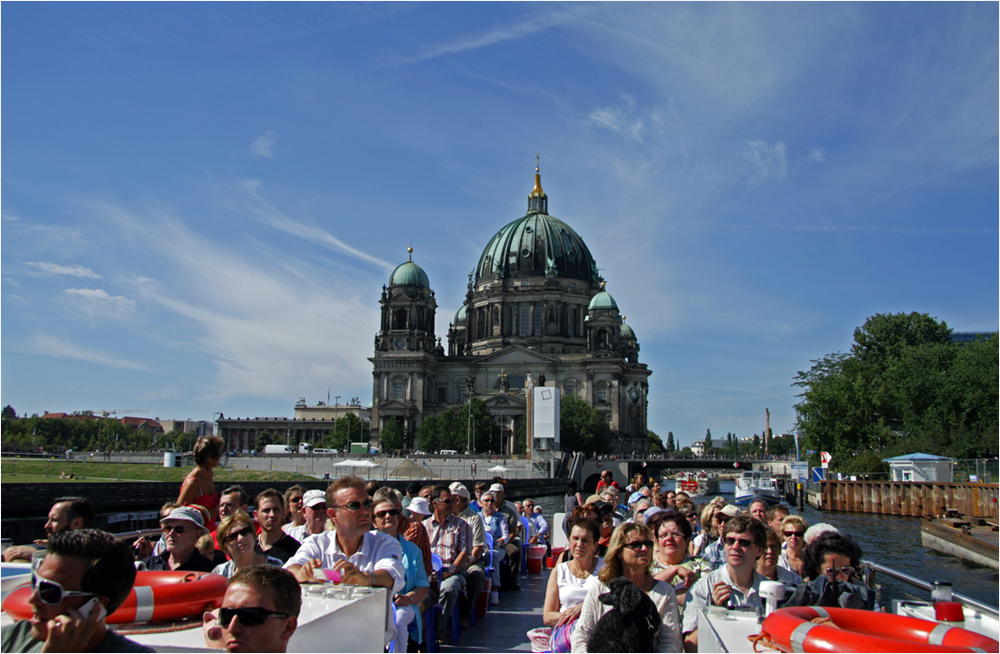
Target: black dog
point(632, 623)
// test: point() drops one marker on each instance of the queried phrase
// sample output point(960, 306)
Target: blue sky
point(201, 201)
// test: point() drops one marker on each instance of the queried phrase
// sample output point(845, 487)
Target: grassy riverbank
point(50, 470)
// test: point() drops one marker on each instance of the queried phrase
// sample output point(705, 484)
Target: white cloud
point(768, 161)
point(622, 120)
point(72, 271)
point(52, 346)
point(263, 146)
point(98, 306)
point(817, 155)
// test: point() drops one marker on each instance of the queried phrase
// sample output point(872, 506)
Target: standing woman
point(198, 488)
point(293, 505)
point(570, 581)
point(630, 555)
point(707, 535)
point(572, 500)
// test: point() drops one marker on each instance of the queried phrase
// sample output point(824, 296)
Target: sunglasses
point(233, 535)
point(294, 499)
point(639, 544)
point(355, 506)
point(387, 513)
point(690, 515)
point(250, 616)
point(846, 571)
point(744, 543)
point(52, 592)
point(177, 529)
point(489, 501)
point(797, 534)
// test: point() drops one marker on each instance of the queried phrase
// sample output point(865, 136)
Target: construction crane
point(110, 412)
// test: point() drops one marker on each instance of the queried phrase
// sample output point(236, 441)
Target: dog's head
point(622, 595)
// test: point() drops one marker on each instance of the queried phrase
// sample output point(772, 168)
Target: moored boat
point(756, 485)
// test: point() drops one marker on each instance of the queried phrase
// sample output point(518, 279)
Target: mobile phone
point(86, 609)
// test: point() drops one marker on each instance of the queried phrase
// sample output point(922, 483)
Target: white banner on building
point(545, 410)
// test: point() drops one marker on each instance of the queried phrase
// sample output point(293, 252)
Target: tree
point(655, 444)
point(582, 428)
point(8, 413)
point(392, 438)
point(264, 439)
point(671, 446)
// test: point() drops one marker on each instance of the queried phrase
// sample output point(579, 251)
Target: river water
point(889, 540)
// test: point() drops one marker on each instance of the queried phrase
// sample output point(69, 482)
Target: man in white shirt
point(736, 584)
point(314, 511)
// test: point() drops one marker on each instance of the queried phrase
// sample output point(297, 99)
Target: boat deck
point(505, 627)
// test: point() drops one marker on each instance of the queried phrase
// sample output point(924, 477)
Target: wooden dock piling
point(910, 498)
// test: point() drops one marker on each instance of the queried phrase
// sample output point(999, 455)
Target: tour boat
point(697, 483)
point(756, 485)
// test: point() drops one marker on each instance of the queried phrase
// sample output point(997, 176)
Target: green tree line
point(904, 387)
point(84, 434)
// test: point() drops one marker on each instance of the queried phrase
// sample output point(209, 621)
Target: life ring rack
point(808, 629)
point(156, 596)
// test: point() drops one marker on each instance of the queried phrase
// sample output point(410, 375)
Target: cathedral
point(536, 313)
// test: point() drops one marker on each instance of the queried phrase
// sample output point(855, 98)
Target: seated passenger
point(767, 564)
point(496, 524)
point(66, 514)
point(272, 539)
point(715, 553)
point(734, 585)
point(83, 571)
point(239, 542)
point(630, 554)
point(182, 528)
point(794, 530)
point(451, 540)
point(538, 527)
point(569, 583)
point(671, 561)
point(315, 514)
point(387, 511)
point(259, 612)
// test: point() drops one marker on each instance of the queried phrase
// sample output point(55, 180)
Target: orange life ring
point(790, 630)
point(156, 596)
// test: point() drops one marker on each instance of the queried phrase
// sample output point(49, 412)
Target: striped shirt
point(449, 538)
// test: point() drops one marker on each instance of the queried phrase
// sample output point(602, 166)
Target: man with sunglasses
point(715, 553)
point(451, 539)
point(259, 611)
point(363, 557)
point(735, 585)
point(182, 528)
point(85, 575)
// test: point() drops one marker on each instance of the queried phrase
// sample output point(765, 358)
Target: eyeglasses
point(387, 513)
point(355, 506)
point(178, 529)
point(52, 592)
point(295, 499)
point(846, 571)
point(690, 515)
point(233, 535)
point(447, 501)
point(774, 548)
point(721, 517)
point(797, 534)
point(744, 543)
point(250, 616)
point(676, 535)
point(639, 545)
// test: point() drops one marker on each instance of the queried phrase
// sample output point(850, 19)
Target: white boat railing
point(870, 568)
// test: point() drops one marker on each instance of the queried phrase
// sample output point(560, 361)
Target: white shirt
point(700, 595)
point(299, 533)
point(377, 552)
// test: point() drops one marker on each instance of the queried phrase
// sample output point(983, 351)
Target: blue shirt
point(496, 524)
point(415, 575)
point(715, 554)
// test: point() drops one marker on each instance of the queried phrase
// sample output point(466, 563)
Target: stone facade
point(535, 312)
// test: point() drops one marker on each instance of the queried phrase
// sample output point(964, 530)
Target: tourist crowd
point(436, 548)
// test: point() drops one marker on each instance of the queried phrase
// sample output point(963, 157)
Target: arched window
point(399, 319)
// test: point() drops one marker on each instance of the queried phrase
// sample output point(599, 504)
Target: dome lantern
point(538, 202)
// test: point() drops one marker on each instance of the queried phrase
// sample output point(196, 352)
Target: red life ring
point(156, 596)
point(790, 630)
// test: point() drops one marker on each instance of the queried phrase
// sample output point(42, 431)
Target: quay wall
point(25, 506)
point(909, 498)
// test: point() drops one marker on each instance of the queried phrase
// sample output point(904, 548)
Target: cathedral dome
point(409, 274)
point(460, 316)
point(537, 245)
point(627, 332)
point(602, 300)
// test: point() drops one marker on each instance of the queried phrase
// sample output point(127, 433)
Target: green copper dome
point(602, 300)
point(537, 245)
point(409, 274)
point(460, 316)
point(627, 332)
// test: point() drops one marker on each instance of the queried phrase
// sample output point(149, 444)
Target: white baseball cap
point(313, 497)
point(419, 506)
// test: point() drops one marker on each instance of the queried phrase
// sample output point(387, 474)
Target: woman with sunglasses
point(293, 508)
point(630, 555)
point(767, 564)
point(238, 539)
point(569, 583)
point(496, 524)
point(793, 528)
point(387, 512)
point(671, 561)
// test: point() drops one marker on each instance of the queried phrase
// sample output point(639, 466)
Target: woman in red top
point(198, 488)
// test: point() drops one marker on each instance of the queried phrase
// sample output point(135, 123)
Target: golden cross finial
point(410, 250)
point(538, 160)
